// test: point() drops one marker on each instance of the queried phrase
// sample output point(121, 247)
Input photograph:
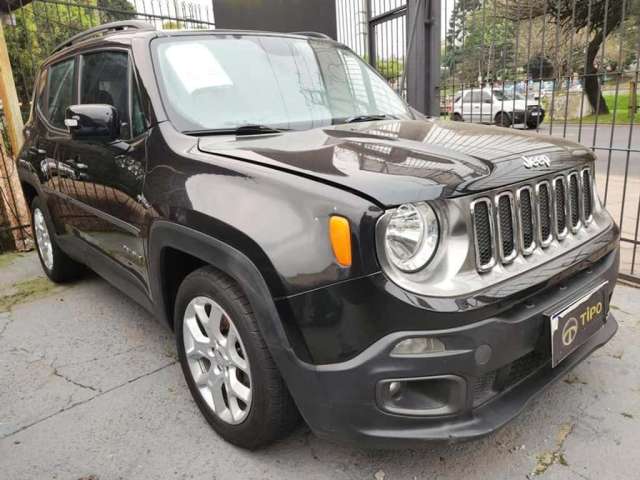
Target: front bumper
point(529, 116)
point(339, 400)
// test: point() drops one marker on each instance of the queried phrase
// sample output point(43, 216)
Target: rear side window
point(104, 78)
point(60, 92)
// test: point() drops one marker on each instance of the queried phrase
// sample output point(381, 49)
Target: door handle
point(76, 164)
point(37, 151)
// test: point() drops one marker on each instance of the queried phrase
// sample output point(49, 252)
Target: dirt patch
point(546, 459)
point(25, 291)
point(9, 258)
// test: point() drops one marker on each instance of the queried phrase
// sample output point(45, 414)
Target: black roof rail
point(313, 34)
point(107, 27)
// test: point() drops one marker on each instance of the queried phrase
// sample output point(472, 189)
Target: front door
point(109, 175)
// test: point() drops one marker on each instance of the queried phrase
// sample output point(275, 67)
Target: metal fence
point(33, 28)
point(577, 59)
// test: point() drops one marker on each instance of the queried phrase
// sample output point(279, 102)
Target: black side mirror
point(93, 121)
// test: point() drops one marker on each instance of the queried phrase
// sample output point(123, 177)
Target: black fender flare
point(298, 375)
point(220, 255)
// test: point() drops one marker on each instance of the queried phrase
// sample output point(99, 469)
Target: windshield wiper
point(369, 118)
point(248, 129)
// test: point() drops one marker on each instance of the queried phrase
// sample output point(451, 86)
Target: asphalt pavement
point(90, 389)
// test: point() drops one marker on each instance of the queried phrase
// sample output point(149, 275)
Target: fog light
point(394, 388)
point(418, 346)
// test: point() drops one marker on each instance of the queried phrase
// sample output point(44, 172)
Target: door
point(470, 109)
point(109, 174)
point(51, 140)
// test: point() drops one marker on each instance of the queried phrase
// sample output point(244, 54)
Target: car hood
point(397, 161)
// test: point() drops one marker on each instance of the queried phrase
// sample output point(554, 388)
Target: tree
point(116, 10)
point(41, 26)
point(539, 67)
point(479, 42)
point(598, 18)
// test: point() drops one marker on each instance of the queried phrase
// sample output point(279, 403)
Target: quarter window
point(105, 79)
point(60, 93)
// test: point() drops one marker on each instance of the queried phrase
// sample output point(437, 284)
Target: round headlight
point(411, 236)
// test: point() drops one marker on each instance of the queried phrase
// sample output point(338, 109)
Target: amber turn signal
point(340, 235)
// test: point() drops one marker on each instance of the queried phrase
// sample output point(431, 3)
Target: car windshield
point(222, 82)
point(506, 95)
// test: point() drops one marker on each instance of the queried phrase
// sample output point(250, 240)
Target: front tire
point(57, 265)
point(226, 363)
point(503, 119)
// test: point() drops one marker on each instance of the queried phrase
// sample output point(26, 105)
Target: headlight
point(411, 236)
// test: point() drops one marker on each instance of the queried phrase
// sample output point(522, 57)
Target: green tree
point(40, 26)
point(597, 18)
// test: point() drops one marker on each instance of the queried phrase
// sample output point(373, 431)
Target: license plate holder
point(574, 324)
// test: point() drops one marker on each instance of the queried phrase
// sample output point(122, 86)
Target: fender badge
point(536, 161)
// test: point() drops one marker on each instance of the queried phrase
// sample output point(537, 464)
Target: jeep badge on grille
point(536, 161)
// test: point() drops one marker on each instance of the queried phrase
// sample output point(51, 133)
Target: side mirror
point(93, 121)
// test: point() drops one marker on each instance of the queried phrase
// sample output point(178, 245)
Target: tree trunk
point(591, 81)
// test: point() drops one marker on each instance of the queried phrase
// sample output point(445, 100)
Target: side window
point(104, 79)
point(478, 96)
point(60, 92)
point(467, 97)
point(138, 122)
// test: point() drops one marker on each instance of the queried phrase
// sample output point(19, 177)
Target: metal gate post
point(423, 56)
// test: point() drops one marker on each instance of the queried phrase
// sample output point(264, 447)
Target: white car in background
point(496, 107)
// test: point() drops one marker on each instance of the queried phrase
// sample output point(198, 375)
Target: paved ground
point(89, 388)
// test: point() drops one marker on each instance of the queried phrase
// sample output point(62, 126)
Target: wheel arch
point(166, 238)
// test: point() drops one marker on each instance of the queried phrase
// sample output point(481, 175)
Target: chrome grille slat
point(483, 233)
point(516, 221)
point(560, 207)
point(573, 182)
point(506, 225)
point(543, 211)
point(586, 185)
point(526, 220)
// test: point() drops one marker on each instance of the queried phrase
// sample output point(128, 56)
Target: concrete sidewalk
point(90, 388)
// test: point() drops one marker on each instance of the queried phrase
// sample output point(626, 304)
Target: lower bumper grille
point(492, 383)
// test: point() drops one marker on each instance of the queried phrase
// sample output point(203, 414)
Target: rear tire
point(57, 265)
point(456, 117)
point(226, 363)
point(503, 119)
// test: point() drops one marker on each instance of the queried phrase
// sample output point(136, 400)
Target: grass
point(619, 106)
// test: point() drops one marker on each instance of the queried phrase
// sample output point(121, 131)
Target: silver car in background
point(497, 107)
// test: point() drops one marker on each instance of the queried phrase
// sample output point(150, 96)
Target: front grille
point(530, 216)
point(544, 213)
point(587, 198)
point(483, 233)
point(560, 202)
point(526, 220)
point(506, 227)
point(574, 201)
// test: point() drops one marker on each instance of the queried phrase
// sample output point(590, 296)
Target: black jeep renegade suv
point(316, 245)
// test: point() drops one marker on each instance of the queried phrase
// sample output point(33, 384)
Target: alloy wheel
point(43, 239)
point(217, 360)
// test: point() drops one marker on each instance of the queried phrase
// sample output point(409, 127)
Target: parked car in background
point(318, 247)
point(498, 107)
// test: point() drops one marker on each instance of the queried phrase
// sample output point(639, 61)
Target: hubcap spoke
point(237, 389)
point(217, 360)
